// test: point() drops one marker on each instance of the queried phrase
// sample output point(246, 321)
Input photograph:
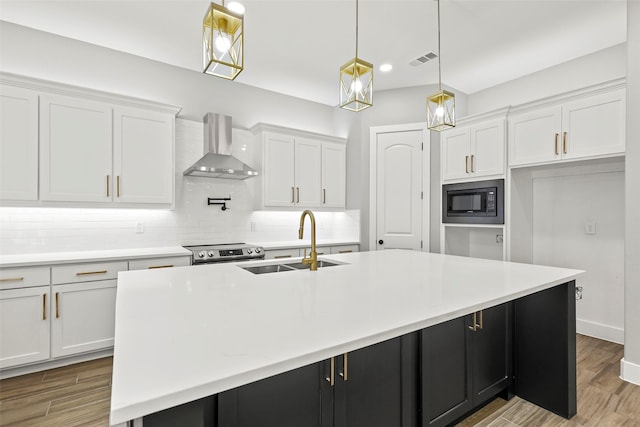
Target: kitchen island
point(189, 333)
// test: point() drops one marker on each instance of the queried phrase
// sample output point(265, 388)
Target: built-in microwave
point(479, 202)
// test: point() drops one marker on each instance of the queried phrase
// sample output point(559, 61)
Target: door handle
point(381, 242)
point(345, 369)
point(564, 143)
point(332, 371)
point(556, 144)
point(293, 199)
point(57, 306)
point(297, 194)
point(466, 164)
point(472, 156)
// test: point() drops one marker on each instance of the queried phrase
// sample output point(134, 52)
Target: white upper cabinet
point(301, 169)
point(591, 126)
point(18, 144)
point(333, 175)
point(143, 156)
point(474, 151)
point(75, 150)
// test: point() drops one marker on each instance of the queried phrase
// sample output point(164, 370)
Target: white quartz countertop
point(189, 332)
point(50, 258)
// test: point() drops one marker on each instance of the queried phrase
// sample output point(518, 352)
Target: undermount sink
point(277, 268)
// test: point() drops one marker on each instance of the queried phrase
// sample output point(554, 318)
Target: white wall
point(631, 362)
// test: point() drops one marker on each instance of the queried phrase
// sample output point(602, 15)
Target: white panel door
point(308, 173)
point(18, 144)
point(399, 189)
point(594, 126)
point(24, 326)
point(83, 317)
point(455, 149)
point(143, 156)
point(333, 175)
point(279, 170)
point(487, 149)
point(75, 150)
point(534, 137)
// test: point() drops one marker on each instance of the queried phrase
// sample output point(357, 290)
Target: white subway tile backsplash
point(33, 230)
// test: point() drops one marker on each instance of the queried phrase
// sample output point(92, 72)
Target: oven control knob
point(210, 253)
point(201, 254)
point(249, 251)
point(258, 250)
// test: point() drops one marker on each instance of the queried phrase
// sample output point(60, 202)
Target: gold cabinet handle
point(44, 306)
point(331, 379)
point(556, 144)
point(466, 164)
point(12, 279)
point(57, 306)
point(87, 273)
point(472, 156)
point(281, 256)
point(118, 186)
point(160, 266)
point(346, 251)
point(345, 371)
point(564, 142)
point(297, 194)
point(324, 196)
point(108, 186)
point(477, 315)
point(480, 325)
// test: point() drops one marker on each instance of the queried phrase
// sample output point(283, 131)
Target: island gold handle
point(44, 306)
point(57, 306)
point(345, 369)
point(564, 143)
point(160, 266)
point(556, 144)
point(481, 325)
point(477, 315)
point(12, 279)
point(332, 371)
point(87, 273)
point(466, 164)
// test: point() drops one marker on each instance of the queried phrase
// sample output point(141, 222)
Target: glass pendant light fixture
point(441, 105)
point(223, 42)
point(356, 81)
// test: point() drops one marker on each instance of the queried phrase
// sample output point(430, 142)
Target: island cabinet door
point(446, 372)
point(292, 399)
point(491, 348)
point(377, 386)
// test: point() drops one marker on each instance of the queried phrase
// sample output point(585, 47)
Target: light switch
point(590, 227)
point(140, 228)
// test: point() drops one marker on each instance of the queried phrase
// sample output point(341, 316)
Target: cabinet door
point(24, 326)
point(279, 171)
point(75, 150)
point(83, 317)
point(308, 173)
point(455, 153)
point(333, 175)
point(487, 149)
point(534, 137)
point(290, 399)
point(143, 156)
point(492, 353)
point(594, 126)
point(18, 144)
point(446, 372)
point(377, 386)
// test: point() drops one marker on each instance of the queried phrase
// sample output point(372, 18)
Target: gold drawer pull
point(44, 306)
point(87, 273)
point(466, 164)
point(118, 186)
point(12, 279)
point(556, 145)
point(472, 157)
point(346, 251)
point(324, 196)
point(564, 143)
point(160, 266)
point(107, 185)
point(57, 305)
point(281, 256)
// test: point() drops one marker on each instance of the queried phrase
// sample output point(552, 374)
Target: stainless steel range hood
point(217, 161)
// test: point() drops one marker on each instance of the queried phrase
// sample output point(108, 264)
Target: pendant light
point(441, 105)
point(356, 81)
point(223, 42)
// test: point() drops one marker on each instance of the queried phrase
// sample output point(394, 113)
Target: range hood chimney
point(217, 161)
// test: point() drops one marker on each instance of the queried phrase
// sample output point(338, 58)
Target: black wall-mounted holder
point(220, 201)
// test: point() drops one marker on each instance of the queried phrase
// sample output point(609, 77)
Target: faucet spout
point(313, 256)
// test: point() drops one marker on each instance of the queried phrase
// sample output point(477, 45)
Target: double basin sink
point(280, 267)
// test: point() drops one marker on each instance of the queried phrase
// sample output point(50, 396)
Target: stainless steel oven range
point(228, 252)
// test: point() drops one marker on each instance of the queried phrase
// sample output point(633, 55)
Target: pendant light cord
point(439, 51)
point(356, 29)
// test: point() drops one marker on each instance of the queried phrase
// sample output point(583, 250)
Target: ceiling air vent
point(422, 59)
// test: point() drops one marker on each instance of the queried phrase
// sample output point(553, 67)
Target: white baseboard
point(598, 330)
point(630, 372)
point(54, 363)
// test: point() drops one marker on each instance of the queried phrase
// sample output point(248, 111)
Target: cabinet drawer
point(74, 273)
point(345, 249)
point(12, 278)
point(166, 262)
point(321, 250)
point(281, 253)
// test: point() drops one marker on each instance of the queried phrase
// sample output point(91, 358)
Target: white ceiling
point(296, 47)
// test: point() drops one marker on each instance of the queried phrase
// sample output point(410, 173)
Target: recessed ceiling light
point(236, 7)
point(386, 68)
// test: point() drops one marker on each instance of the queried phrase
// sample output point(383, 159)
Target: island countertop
point(189, 332)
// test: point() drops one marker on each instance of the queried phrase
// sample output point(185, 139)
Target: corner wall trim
point(630, 372)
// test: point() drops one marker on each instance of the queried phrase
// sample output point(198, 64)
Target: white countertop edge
point(299, 244)
point(51, 258)
point(140, 409)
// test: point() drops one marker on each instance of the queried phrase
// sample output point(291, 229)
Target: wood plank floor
point(78, 395)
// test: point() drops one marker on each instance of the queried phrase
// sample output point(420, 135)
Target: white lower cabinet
point(281, 253)
point(83, 317)
point(24, 325)
point(165, 262)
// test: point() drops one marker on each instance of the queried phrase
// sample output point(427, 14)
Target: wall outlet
point(590, 227)
point(140, 228)
point(253, 226)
